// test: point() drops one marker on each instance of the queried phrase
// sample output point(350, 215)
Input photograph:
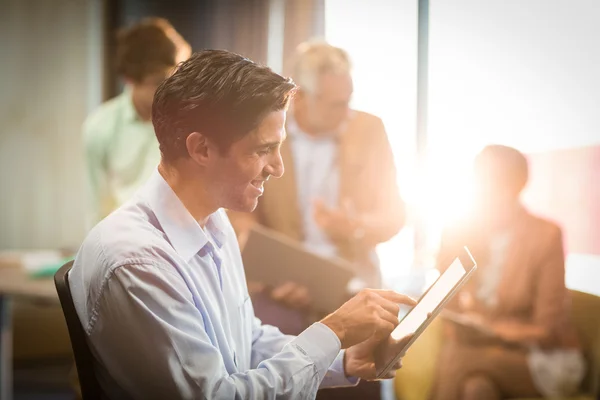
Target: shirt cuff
point(320, 344)
point(336, 375)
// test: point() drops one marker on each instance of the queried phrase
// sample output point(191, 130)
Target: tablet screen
point(430, 300)
point(429, 305)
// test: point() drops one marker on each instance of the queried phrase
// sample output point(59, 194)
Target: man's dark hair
point(148, 47)
point(220, 94)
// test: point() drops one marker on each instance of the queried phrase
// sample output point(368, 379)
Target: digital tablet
point(272, 259)
point(421, 315)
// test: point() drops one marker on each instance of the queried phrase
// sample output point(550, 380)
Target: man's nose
point(276, 167)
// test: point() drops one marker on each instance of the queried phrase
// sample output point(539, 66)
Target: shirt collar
point(182, 230)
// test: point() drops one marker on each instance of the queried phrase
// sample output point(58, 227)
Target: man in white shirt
point(159, 284)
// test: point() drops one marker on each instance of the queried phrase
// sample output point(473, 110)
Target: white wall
point(50, 79)
point(520, 72)
point(381, 39)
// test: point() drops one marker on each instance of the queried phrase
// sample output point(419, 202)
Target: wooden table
point(15, 283)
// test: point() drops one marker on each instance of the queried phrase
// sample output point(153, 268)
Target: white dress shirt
point(317, 176)
point(165, 306)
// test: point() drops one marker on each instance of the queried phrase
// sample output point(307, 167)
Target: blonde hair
point(315, 58)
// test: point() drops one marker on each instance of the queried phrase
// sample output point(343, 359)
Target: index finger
point(396, 297)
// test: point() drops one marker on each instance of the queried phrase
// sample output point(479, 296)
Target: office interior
point(446, 77)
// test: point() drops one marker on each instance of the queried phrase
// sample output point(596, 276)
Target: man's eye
point(264, 152)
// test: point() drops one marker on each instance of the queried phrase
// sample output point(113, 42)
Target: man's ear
point(198, 147)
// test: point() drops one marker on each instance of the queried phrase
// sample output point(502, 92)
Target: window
point(381, 39)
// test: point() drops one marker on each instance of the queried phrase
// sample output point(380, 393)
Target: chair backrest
point(84, 360)
point(586, 317)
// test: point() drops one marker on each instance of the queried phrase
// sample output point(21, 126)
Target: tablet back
point(272, 258)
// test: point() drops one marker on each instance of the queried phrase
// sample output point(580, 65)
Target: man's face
point(328, 107)
point(237, 177)
point(143, 91)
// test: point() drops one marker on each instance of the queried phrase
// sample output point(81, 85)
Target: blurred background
point(522, 73)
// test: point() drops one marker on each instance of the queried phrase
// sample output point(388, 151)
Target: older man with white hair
point(339, 195)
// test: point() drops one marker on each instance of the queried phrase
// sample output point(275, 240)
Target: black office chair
point(84, 360)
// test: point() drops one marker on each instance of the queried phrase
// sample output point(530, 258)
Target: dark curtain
point(304, 20)
point(240, 26)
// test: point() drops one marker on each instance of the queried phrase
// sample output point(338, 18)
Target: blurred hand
point(370, 314)
point(337, 224)
point(292, 295)
point(509, 331)
point(255, 287)
point(475, 319)
point(359, 360)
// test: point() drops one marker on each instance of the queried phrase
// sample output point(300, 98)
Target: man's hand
point(292, 295)
point(359, 360)
point(370, 314)
point(337, 224)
